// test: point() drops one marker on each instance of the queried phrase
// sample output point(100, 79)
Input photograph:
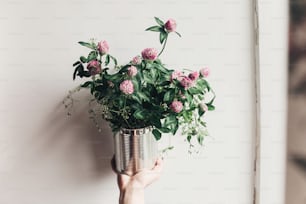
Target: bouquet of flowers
point(144, 92)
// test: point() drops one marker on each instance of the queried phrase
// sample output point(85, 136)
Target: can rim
point(129, 130)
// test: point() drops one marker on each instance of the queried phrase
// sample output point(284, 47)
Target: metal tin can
point(135, 149)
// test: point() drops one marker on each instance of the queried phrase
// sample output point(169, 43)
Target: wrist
point(133, 186)
point(133, 193)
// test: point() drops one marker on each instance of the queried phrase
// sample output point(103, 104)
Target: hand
point(132, 186)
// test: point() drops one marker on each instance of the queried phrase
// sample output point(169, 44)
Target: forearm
point(132, 195)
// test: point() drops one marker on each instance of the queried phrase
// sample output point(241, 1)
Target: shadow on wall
point(72, 146)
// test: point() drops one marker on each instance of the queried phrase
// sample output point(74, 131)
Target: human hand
point(132, 186)
point(141, 179)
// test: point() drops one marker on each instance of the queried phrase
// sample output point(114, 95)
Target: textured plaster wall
point(48, 158)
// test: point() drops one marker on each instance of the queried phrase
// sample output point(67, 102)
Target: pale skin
point(132, 187)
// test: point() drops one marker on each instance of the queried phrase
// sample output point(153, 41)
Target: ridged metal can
point(135, 149)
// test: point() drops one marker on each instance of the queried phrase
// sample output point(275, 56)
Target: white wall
point(273, 35)
point(49, 158)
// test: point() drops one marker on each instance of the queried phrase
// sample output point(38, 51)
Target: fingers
point(158, 165)
point(142, 178)
point(155, 173)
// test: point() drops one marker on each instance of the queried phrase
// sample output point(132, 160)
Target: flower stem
point(125, 110)
point(164, 45)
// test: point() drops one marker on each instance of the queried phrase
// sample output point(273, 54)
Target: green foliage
point(92, 56)
point(154, 28)
point(88, 45)
point(154, 92)
point(156, 134)
point(210, 107)
point(140, 114)
point(79, 70)
point(107, 60)
point(159, 22)
point(83, 59)
point(163, 36)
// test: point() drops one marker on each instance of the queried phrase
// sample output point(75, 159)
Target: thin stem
point(188, 70)
point(110, 110)
point(125, 110)
point(129, 126)
point(163, 46)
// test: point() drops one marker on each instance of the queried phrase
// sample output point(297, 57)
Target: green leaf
point(200, 139)
point(136, 106)
point(189, 97)
point(211, 101)
point(189, 138)
point(142, 96)
point(202, 84)
point(140, 114)
point(156, 134)
point(83, 74)
point(101, 88)
point(153, 28)
point(200, 111)
point(162, 36)
point(201, 98)
point(86, 84)
point(176, 126)
point(83, 59)
point(165, 83)
point(136, 85)
point(92, 55)
point(171, 122)
point(168, 148)
point(76, 63)
point(87, 74)
point(114, 59)
point(163, 69)
point(210, 107)
point(89, 45)
point(115, 78)
point(159, 22)
point(186, 116)
point(164, 130)
point(203, 123)
point(121, 101)
point(107, 59)
point(136, 98)
point(147, 78)
point(156, 122)
point(149, 65)
point(194, 90)
point(169, 96)
point(153, 73)
point(79, 70)
point(170, 119)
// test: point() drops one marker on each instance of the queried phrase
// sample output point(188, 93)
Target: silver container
point(135, 149)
